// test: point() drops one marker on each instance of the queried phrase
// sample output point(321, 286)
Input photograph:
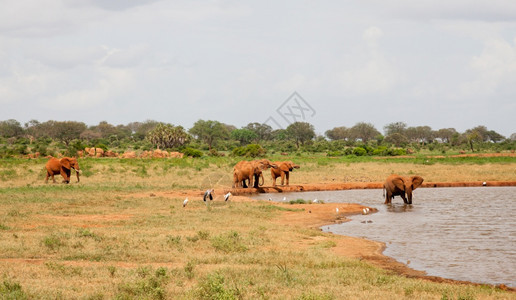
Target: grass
point(107, 237)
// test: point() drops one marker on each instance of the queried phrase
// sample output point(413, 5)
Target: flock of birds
point(209, 195)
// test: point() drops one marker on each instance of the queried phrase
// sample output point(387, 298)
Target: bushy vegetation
point(215, 139)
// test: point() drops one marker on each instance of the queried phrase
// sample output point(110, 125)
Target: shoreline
point(319, 215)
point(355, 185)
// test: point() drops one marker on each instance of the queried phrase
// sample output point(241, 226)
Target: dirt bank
point(355, 185)
point(318, 215)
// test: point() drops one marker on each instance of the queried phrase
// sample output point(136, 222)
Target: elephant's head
point(264, 164)
point(71, 163)
point(408, 184)
point(291, 166)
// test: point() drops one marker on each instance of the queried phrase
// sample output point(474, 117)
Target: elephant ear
point(65, 162)
point(416, 181)
point(399, 183)
point(285, 167)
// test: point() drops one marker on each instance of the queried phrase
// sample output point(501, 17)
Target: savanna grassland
point(123, 233)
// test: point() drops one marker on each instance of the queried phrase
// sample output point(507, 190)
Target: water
point(458, 233)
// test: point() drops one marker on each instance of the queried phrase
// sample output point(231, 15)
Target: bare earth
point(316, 216)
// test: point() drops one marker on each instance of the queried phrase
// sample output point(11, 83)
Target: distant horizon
point(381, 129)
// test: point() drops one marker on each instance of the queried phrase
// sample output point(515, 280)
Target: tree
point(494, 136)
point(167, 136)
point(363, 131)
point(11, 128)
point(209, 131)
point(420, 134)
point(445, 134)
point(338, 133)
point(139, 130)
point(300, 132)
point(68, 130)
point(244, 135)
point(396, 127)
point(396, 139)
point(263, 131)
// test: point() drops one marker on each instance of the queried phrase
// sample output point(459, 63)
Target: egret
point(207, 194)
point(226, 196)
point(284, 198)
point(185, 202)
point(336, 209)
point(484, 183)
point(270, 199)
point(315, 201)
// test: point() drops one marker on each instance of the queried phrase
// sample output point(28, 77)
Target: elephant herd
point(248, 174)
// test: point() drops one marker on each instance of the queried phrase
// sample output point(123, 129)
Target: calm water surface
point(459, 233)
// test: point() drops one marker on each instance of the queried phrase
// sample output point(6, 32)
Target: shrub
point(359, 151)
point(251, 150)
point(192, 152)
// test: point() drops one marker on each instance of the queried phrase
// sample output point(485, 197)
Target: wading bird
point(185, 202)
point(207, 194)
point(226, 196)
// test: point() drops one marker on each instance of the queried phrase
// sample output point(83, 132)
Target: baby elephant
point(62, 166)
point(284, 167)
point(396, 185)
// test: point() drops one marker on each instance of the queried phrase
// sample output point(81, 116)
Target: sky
point(443, 64)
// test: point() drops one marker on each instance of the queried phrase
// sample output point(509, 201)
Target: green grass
point(108, 238)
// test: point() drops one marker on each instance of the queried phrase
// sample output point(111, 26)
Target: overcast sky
point(438, 63)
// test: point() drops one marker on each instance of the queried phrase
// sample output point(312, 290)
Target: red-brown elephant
point(284, 167)
point(396, 185)
point(62, 166)
point(250, 170)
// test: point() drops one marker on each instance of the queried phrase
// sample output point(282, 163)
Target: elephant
point(249, 171)
point(62, 166)
point(284, 167)
point(396, 185)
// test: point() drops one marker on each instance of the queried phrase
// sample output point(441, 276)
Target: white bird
point(336, 209)
point(185, 202)
point(226, 196)
point(364, 211)
point(484, 183)
point(284, 198)
point(315, 201)
point(207, 194)
point(270, 199)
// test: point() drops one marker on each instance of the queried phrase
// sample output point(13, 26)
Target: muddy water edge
point(458, 233)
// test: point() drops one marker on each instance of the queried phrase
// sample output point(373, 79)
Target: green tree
point(338, 133)
point(244, 135)
point(363, 131)
point(209, 131)
point(263, 131)
point(396, 127)
point(300, 132)
point(10, 128)
point(167, 136)
point(445, 134)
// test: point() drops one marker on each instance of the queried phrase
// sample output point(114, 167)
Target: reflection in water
point(460, 233)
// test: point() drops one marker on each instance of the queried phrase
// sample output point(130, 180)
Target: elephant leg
point(46, 178)
point(282, 178)
point(273, 180)
point(388, 197)
point(287, 176)
point(404, 198)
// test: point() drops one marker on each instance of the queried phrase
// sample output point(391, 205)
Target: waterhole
point(458, 233)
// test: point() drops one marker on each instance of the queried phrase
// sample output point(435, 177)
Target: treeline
point(215, 138)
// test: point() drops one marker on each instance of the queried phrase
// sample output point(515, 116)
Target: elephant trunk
point(263, 180)
point(77, 171)
point(409, 196)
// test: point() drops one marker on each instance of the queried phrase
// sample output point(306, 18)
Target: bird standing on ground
point(226, 196)
point(207, 194)
point(185, 202)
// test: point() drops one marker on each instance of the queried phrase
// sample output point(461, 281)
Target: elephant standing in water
point(396, 185)
point(62, 166)
point(283, 169)
point(250, 170)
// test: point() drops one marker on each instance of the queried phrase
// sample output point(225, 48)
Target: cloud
point(493, 70)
